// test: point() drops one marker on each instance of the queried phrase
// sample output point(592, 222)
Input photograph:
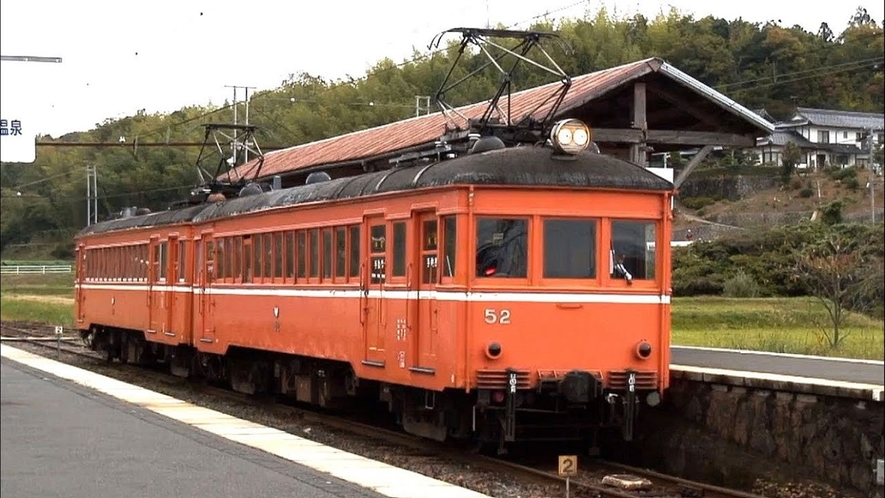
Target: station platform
point(790, 373)
point(73, 433)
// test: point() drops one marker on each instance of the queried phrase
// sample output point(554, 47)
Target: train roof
point(515, 166)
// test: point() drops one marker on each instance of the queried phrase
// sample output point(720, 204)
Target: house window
point(823, 136)
point(844, 134)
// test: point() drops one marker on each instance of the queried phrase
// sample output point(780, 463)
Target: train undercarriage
point(576, 408)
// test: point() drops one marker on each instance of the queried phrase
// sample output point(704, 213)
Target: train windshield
point(501, 247)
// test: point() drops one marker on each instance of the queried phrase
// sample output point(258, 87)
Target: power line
point(860, 62)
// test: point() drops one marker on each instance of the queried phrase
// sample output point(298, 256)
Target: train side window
point(399, 249)
point(450, 231)
point(354, 251)
point(248, 260)
point(182, 259)
point(327, 253)
point(569, 248)
point(633, 250)
point(236, 262)
point(302, 253)
point(210, 261)
point(290, 254)
point(256, 256)
point(221, 259)
point(378, 248)
point(162, 259)
point(278, 255)
point(340, 252)
point(267, 244)
point(429, 252)
point(313, 260)
point(501, 247)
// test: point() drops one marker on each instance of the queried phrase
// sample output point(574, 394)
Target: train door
point(80, 278)
point(171, 286)
point(426, 259)
point(372, 291)
point(205, 262)
point(156, 284)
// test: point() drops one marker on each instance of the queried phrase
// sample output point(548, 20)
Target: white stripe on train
point(512, 297)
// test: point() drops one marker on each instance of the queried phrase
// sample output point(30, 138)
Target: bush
point(795, 184)
point(805, 193)
point(740, 285)
point(842, 174)
point(852, 183)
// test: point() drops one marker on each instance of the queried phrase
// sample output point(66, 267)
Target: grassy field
point(782, 325)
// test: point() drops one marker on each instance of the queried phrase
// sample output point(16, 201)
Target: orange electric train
point(505, 294)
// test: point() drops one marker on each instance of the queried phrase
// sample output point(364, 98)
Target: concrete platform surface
point(817, 367)
point(69, 432)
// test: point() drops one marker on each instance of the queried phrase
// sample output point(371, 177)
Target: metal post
point(566, 486)
point(88, 195)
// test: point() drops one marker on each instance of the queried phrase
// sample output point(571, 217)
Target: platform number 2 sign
point(568, 467)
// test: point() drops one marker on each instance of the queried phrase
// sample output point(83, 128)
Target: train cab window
point(450, 230)
point(301, 238)
point(399, 249)
point(290, 254)
point(633, 250)
point(210, 261)
point(314, 259)
point(569, 248)
point(340, 251)
point(501, 247)
point(278, 255)
point(327, 253)
point(248, 260)
point(354, 251)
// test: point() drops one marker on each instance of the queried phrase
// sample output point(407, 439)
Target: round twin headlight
point(570, 136)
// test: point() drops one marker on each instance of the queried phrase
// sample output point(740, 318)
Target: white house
point(825, 137)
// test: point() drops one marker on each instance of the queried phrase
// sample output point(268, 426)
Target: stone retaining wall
point(731, 435)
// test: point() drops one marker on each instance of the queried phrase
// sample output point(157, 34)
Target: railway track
point(591, 481)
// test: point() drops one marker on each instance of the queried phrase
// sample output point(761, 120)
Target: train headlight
point(643, 350)
point(570, 136)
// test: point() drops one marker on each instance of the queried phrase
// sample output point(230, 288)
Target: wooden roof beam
point(672, 137)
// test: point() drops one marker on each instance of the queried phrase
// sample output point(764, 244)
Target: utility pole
point(91, 194)
point(234, 145)
point(422, 104)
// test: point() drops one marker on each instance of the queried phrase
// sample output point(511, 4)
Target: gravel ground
point(450, 470)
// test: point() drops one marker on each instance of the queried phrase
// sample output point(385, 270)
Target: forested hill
point(760, 65)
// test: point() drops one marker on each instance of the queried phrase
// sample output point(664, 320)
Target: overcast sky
point(119, 57)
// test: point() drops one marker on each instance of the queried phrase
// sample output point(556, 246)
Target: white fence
point(34, 269)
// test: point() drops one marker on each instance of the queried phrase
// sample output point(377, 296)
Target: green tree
point(843, 278)
point(791, 157)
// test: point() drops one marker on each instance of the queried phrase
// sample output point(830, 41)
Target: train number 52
point(492, 316)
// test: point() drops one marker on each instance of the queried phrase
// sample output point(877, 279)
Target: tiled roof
point(400, 136)
point(836, 119)
point(781, 137)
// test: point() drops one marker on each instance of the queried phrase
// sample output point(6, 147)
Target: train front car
point(568, 298)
